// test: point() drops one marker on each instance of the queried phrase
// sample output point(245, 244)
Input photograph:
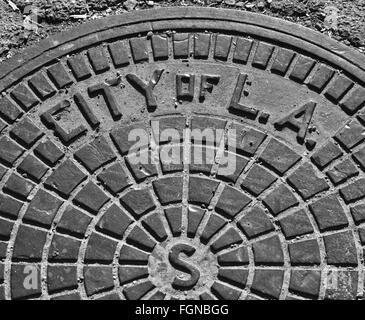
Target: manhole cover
point(183, 153)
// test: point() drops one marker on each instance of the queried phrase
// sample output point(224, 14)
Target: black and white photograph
point(182, 157)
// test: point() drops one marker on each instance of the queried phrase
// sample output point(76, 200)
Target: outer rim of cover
point(91, 33)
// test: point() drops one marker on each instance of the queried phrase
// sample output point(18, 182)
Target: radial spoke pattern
point(279, 227)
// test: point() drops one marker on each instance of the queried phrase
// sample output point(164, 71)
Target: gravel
point(339, 19)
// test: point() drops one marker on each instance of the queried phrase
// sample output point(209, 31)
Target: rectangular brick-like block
point(354, 101)
point(8, 111)
point(24, 97)
point(79, 67)
point(119, 54)
point(321, 77)
point(201, 45)
point(160, 47)
point(338, 88)
point(59, 75)
point(243, 50)
point(282, 61)
point(41, 86)
point(262, 55)
point(181, 45)
point(98, 59)
point(302, 68)
point(139, 49)
point(222, 47)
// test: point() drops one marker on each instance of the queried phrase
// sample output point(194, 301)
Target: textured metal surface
point(80, 220)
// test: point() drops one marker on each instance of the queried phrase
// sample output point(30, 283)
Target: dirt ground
point(24, 22)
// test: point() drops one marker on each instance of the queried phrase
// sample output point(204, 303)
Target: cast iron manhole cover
point(101, 198)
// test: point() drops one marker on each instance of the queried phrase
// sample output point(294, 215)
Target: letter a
point(31, 280)
point(292, 120)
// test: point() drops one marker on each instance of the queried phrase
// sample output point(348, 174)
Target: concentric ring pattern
point(277, 226)
point(79, 219)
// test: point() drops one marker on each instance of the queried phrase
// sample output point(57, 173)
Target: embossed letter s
point(183, 266)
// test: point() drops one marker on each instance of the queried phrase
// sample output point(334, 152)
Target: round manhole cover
point(183, 153)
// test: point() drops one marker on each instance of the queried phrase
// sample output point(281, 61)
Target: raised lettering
point(235, 105)
point(183, 266)
point(298, 121)
point(49, 118)
point(185, 86)
point(207, 84)
point(147, 88)
point(86, 110)
point(105, 90)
